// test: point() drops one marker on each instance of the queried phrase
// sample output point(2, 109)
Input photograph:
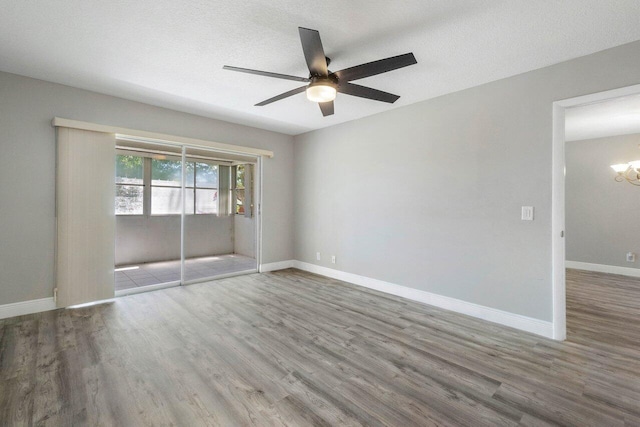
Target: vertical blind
point(85, 212)
point(85, 216)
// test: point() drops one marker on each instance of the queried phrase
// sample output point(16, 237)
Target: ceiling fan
point(324, 84)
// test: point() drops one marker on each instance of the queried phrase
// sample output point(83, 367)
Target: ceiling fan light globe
point(321, 93)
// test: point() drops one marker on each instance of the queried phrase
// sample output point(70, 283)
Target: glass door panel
point(148, 216)
point(209, 222)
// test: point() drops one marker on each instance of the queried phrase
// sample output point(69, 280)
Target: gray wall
point(157, 238)
point(428, 196)
point(27, 164)
point(244, 236)
point(601, 214)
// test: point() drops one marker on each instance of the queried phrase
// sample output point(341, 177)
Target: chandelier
point(629, 172)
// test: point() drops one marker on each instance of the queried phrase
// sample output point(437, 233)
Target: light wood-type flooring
point(292, 348)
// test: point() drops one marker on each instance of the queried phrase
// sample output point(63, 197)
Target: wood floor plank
point(290, 348)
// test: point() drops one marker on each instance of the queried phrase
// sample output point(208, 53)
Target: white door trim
point(558, 200)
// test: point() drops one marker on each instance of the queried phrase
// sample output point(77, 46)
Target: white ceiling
point(170, 53)
point(619, 116)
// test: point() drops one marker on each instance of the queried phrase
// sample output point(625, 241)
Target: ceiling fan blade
point(367, 92)
point(281, 96)
point(266, 73)
point(376, 67)
point(326, 108)
point(313, 52)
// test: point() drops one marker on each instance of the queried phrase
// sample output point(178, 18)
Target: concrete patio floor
point(154, 273)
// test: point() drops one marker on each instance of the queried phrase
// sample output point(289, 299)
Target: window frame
point(151, 185)
point(148, 181)
point(143, 185)
point(196, 188)
point(244, 188)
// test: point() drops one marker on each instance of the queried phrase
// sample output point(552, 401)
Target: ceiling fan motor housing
point(324, 81)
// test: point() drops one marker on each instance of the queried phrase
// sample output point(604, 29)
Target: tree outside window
point(129, 185)
point(165, 187)
point(240, 189)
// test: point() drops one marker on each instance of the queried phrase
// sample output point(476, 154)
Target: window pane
point(206, 176)
point(129, 199)
point(188, 201)
point(206, 201)
point(240, 201)
point(169, 172)
point(167, 201)
point(129, 169)
point(240, 176)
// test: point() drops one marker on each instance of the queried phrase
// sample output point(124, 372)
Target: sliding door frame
point(183, 210)
point(257, 215)
point(257, 212)
point(164, 285)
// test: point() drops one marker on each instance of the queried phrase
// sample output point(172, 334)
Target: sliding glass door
point(183, 215)
point(210, 218)
point(148, 216)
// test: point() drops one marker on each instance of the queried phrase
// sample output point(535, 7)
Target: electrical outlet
point(631, 257)
point(317, 256)
point(333, 259)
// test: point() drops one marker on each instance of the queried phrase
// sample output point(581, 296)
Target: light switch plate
point(527, 213)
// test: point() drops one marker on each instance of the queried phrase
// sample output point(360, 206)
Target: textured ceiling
point(170, 53)
point(619, 116)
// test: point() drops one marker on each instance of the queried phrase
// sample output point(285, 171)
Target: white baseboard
point(524, 323)
point(273, 266)
point(602, 268)
point(26, 307)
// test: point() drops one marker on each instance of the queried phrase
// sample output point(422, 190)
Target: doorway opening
point(578, 110)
